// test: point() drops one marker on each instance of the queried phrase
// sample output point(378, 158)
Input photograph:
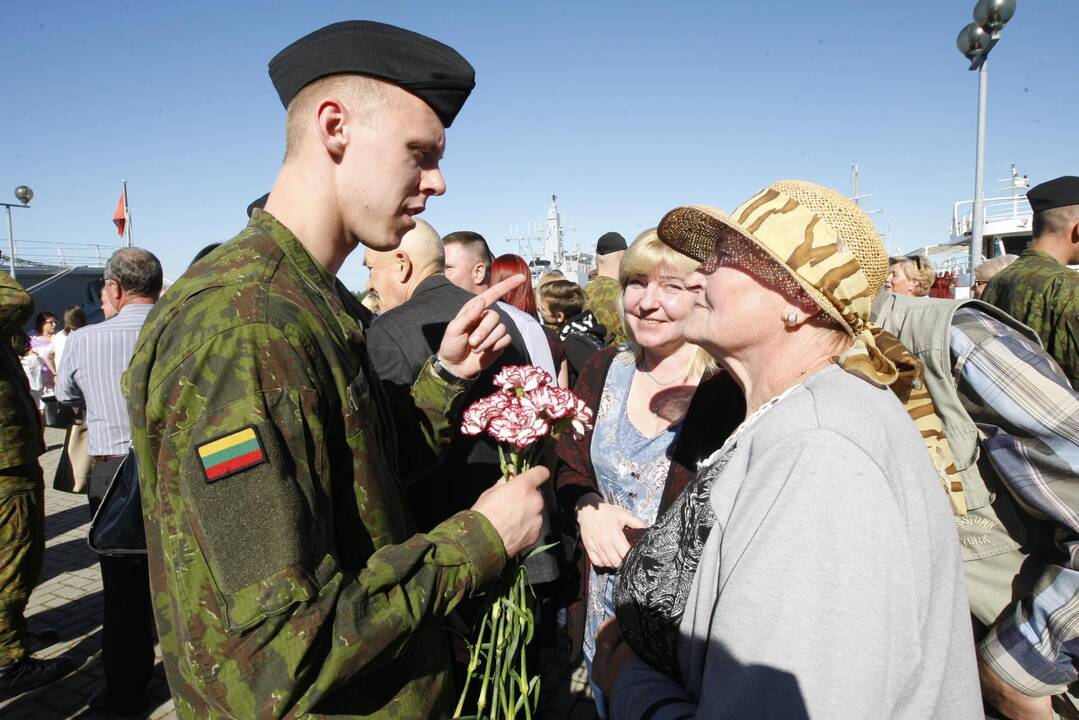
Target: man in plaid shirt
point(1013, 422)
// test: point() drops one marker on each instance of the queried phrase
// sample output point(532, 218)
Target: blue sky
point(624, 110)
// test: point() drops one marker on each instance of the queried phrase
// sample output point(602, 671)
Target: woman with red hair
point(523, 298)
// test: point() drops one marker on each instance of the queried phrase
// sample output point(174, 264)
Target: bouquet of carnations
point(527, 408)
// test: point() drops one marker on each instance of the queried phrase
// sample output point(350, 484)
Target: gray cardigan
point(831, 585)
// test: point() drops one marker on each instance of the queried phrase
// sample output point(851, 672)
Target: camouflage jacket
point(602, 296)
point(286, 577)
point(1042, 294)
point(20, 434)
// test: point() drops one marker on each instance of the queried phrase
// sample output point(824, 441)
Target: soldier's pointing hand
point(476, 336)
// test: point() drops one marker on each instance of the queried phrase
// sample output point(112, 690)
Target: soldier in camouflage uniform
point(22, 504)
point(1037, 289)
point(286, 575)
point(603, 294)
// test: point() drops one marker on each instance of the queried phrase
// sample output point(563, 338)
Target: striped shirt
point(1031, 437)
point(94, 359)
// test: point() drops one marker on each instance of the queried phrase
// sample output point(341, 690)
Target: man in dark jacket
point(417, 302)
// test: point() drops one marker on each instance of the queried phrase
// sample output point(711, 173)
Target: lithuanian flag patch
point(231, 454)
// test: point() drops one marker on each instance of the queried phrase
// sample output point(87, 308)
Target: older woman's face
point(898, 282)
point(733, 310)
point(657, 306)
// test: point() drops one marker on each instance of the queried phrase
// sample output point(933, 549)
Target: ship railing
point(1014, 210)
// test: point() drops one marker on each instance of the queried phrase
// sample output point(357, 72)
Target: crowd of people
point(808, 491)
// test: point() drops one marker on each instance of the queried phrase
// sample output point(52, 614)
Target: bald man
point(417, 302)
point(394, 275)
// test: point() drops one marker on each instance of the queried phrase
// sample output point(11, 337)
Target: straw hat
point(823, 239)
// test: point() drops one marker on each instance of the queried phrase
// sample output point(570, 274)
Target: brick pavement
point(68, 598)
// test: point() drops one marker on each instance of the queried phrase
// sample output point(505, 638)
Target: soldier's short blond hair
point(364, 96)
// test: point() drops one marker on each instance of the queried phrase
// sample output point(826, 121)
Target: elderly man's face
point(383, 277)
point(390, 169)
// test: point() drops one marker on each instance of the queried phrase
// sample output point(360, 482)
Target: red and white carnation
point(525, 377)
point(518, 424)
point(480, 413)
point(527, 408)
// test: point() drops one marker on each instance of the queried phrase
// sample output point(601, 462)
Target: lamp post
point(975, 41)
point(24, 195)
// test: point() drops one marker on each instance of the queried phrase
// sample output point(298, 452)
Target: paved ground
point(69, 599)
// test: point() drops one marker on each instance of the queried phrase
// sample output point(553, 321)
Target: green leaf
point(541, 548)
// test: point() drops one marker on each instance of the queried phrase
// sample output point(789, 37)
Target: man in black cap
point(286, 575)
point(1038, 289)
point(603, 294)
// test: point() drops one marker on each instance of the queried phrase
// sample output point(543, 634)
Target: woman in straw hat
point(810, 569)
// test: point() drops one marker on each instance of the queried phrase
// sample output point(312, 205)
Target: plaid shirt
point(1031, 436)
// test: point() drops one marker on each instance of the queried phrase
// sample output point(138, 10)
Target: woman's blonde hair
point(646, 254)
point(919, 269)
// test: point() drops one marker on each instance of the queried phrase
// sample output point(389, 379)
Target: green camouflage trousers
point(22, 550)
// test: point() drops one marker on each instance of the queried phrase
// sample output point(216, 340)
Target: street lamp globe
point(973, 42)
point(24, 194)
point(993, 15)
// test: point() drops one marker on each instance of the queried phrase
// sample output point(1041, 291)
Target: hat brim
point(696, 230)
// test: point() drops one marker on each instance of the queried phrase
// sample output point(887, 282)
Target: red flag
point(119, 217)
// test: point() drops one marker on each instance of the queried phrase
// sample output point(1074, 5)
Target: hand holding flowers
point(527, 408)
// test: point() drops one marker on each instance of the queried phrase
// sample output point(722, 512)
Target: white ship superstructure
point(574, 264)
point(1006, 228)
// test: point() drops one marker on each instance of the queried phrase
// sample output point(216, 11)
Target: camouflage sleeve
point(436, 405)
point(16, 306)
point(268, 504)
point(1068, 337)
point(603, 299)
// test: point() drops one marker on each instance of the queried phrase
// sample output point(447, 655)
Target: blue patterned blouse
point(631, 470)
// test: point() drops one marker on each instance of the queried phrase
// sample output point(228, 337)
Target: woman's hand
point(601, 530)
point(611, 653)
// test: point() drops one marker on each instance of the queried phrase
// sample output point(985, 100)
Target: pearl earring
point(792, 318)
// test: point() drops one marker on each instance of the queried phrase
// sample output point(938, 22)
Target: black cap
point(259, 203)
point(433, 72)
point(609, 243)
point(1054, 193)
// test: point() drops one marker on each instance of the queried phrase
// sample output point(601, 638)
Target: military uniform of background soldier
point(286, 575)
point(603, 294)
point(22, 505)
point(1037, 289)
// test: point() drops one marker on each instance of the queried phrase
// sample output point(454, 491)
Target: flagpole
point(127, 216)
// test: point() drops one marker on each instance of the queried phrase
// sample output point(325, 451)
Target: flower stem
point(481, 703)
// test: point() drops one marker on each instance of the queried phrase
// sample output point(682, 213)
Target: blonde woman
point(913, 275)
point(649, 429)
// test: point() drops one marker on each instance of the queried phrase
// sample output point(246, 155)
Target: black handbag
point(57, 414)
point(117, 527)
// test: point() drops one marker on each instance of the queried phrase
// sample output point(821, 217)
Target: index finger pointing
point(496, 291)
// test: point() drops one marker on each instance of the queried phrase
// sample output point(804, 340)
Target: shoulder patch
point(230, 454)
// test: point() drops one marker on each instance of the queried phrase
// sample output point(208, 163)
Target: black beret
point(260, 203)
point(433, 72)
point(1054, 193)
point(609, 243)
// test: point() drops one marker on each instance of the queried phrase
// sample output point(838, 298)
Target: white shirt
point(534, 338)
